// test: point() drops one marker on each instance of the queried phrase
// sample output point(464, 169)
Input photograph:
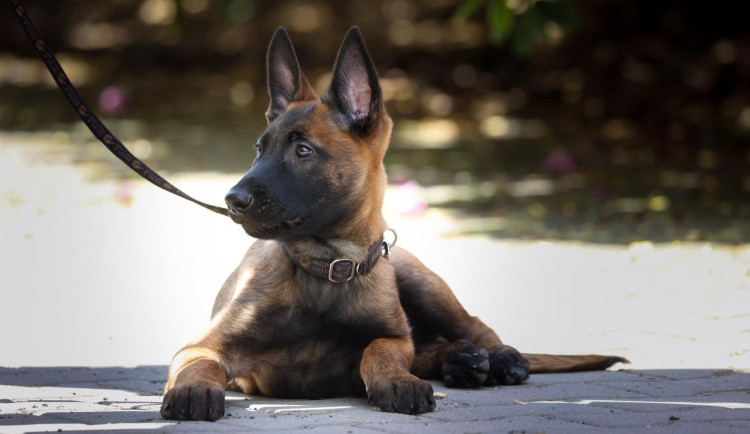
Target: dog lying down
point(320, 305)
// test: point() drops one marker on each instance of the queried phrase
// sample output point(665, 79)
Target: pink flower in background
point(407, 199)
point(113, 100)
point(559, 163)
point(602, 194)
point(124, 192)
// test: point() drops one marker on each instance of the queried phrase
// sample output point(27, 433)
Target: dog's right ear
point(286, 83)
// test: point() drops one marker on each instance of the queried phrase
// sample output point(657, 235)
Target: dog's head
point(319, 165)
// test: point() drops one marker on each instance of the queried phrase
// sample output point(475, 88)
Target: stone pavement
point(128, 399)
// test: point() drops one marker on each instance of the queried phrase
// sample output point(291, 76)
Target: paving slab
point(127, 401)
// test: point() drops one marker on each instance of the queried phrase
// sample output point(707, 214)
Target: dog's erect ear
point(355, 89)
point(286, 83)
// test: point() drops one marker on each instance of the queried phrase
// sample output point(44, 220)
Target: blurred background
point(603, 121)
point(587, 160)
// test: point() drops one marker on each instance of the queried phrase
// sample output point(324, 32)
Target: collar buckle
point(353, 266)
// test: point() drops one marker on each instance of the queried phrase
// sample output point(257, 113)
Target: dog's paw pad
point(466, 365)
point(199, 401)
point(408, 395)
point(507, 366)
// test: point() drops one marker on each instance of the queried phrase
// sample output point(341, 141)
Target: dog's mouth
point(267, 229)
point(298, 221)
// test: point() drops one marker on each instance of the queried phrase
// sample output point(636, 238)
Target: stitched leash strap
point(339, 270)
point(87, 116)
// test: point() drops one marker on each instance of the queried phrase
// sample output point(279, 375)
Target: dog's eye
point(303, 151)
point(258, 149)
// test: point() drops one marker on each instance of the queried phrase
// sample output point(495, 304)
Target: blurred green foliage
point(521, 23)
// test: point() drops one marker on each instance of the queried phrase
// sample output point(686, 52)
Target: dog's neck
point(337, 259)
point(354, 244)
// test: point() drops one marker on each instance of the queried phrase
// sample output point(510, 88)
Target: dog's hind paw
point(507, 366)
point(199, 401)
point(408, 395)
point(466, 365)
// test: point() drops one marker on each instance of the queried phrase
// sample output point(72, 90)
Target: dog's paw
point(507, 366)
point(406, 394)
point(466, 365)
point(198, 401)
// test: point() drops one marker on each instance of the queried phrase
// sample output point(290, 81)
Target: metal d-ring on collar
point(388, 246)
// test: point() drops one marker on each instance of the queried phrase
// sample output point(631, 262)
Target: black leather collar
point(344, 269)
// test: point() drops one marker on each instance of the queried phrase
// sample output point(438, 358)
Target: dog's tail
point(544, 363)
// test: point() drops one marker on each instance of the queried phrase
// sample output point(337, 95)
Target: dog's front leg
point(196, 386)
point(385, 371)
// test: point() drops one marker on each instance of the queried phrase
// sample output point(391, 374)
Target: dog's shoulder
point(264, 266)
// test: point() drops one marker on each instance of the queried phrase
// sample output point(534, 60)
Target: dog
point(321, 306)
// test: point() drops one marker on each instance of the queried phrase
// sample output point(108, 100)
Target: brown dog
point(318, 308)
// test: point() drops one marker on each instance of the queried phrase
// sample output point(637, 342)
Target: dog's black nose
point(238, 200)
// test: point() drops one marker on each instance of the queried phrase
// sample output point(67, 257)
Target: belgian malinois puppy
point(320, 306)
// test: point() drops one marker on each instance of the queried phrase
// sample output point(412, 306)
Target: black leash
point(87, 116)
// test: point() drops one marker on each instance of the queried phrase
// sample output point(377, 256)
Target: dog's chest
point(304, 323)
point(307, 352)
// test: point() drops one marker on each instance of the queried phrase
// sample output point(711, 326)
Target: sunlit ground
point(113, 272)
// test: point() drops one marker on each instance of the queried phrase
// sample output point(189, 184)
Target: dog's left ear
point(355, 89)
